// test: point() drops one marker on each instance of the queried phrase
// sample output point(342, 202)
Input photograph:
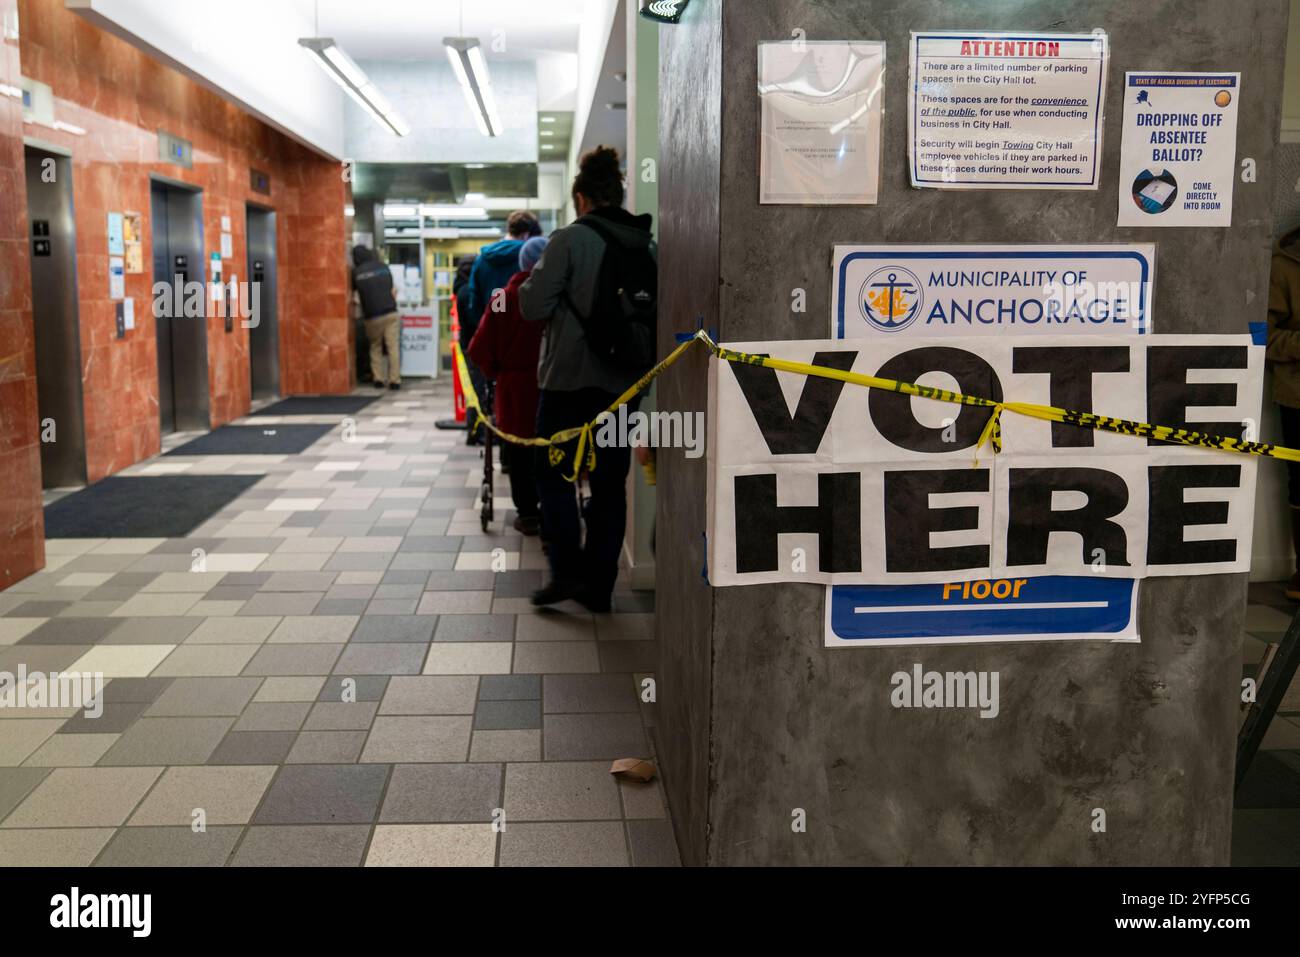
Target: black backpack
point(622, 327)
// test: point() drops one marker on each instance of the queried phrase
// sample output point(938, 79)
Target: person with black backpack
point(596, 288)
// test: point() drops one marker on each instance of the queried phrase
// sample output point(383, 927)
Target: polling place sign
point(813, 479)
point(953, 291)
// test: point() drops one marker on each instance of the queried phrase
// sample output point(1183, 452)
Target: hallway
point(335, 668)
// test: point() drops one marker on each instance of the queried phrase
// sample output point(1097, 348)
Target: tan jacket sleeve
point(1283, 342)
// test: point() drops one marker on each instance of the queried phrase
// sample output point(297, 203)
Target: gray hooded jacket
point(565, 279)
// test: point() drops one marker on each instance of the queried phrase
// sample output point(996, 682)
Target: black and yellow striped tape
point(992, 434)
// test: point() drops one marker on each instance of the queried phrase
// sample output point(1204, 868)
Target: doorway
point(264, 329)
point(53, 251)
point(176, 216)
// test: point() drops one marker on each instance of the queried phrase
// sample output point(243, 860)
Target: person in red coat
point(506, 347)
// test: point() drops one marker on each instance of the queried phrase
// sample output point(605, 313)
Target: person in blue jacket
point(495, 264)
point(491, 271)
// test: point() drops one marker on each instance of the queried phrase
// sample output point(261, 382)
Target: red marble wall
point(121, 98)
point(22, 529)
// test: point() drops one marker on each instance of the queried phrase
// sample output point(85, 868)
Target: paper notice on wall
point(227, 246)
point(116, 277)
point(115, 236)
point(1178, 157)
point(128, 313)
point(820, 124)
point(1006, 110)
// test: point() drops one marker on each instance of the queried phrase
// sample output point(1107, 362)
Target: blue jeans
point(593, 564)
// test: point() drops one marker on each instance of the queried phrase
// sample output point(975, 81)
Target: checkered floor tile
point(339, 668)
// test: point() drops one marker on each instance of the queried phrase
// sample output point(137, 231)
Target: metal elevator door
point(264, 328)
point(180, 323)
point(53, 251)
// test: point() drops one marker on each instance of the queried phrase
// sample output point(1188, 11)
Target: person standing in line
point(492, 269)
point(506, 348)
point(593, 271)
point(372, 281)
point(1283, 355)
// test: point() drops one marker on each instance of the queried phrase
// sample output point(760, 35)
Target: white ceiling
point(247, 50)
point(411, 29)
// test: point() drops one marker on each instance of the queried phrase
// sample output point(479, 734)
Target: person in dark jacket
point(576, 385)
point(506, 348)
point(460, 289)
point(372, 281)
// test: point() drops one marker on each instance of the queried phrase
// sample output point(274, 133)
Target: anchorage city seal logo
point(890, 298)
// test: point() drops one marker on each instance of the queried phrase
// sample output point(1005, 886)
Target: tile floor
point(340, 668)
point(331, 672)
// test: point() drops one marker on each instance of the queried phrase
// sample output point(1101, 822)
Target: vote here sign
point(817, 480)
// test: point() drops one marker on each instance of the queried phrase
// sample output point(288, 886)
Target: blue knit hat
point(531, 252)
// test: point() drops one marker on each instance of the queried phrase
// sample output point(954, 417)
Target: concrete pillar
point(757, 718)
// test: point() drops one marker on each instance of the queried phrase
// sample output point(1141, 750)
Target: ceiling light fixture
point(343, 70)
point(467, 62)
point(548, 119)
point(400, 212)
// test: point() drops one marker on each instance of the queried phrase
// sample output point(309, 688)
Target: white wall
point(262, 69)
point(593, 37)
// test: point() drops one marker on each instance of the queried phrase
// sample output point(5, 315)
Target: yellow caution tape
point(991, 435)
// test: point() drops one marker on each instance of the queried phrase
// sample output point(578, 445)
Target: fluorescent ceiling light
point(467, 62)
point(548, 119)
point(472, 197)
point(548, 132)
point(344, 71)
point(454, 212)
point(400, 212)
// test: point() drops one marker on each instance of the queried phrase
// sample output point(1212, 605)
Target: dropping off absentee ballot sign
point(1178, 155)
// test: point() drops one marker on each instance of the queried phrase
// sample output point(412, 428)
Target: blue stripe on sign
point(1050, 605)
point(1259, 333)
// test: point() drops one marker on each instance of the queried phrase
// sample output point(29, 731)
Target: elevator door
point(52, 244)
point(180, 322)
point(264, 331)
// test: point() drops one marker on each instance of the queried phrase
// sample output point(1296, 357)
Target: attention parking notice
point(1006, 110)
point(1178, 154)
